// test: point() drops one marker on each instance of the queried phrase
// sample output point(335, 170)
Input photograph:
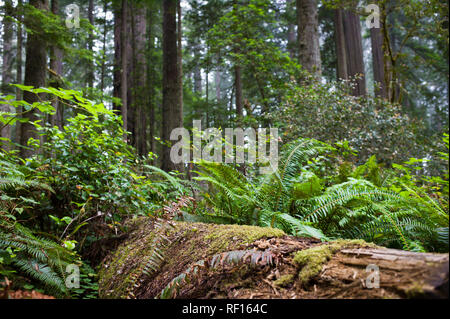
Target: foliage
point(296, 200)
point(328, 113)
point(82, 176)
point(21, 250)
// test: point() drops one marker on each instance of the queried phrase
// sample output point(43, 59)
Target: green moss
point(116, 274)
point(284, 280)
point(415, 290)
point(312, 260)
point(220, 237)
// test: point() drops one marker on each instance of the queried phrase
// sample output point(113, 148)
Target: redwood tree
point(172, 116)
point(7, 66)
point(35, 74)
point(308, 36)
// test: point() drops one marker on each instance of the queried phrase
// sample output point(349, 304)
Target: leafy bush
point(328, 113)
point(81, 182)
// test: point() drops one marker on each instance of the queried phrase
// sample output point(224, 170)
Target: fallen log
point(196, 260)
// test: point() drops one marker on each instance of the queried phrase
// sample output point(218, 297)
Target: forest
point(224, 149)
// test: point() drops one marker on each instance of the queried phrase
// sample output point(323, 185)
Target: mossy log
point(196, 260)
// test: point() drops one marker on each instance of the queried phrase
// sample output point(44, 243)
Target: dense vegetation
point(85, 141)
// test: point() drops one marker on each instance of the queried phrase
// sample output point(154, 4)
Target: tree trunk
point(341, 52)
point(7, 76)
point(35, 74)
point(217, 80)
point(171, 109)
point(308, 36)
point(180, 55)
point(238, 88)
point(355, 60)
point(103, 68)
point(197, 71)
point(124, 64)
point(151, 82)
point(117, 55)
point(292, 34)
point(19, 73)
point(271, 264)
point(56, 56)
point(378, 62)
point(90, 74)
point(140, 100)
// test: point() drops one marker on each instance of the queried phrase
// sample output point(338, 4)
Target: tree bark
point(292, 34)
point(103, 68)
point(217, 80)
point(180, 55)
point(35, 74)
point(19, 63)
point(341, 52)
point(7, 67)
point(124, 64)
point(140, 100)
point(197, 71)
point(308, 36)
point(171, 109)
point(151, 82)
point(117, 55)
point(355, 60)
point(56, 56)
point(90, 74)
point(238, 89)
point(378, 62)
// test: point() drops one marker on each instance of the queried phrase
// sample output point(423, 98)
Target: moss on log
point(196, 260)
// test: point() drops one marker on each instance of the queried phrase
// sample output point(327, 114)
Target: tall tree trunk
point(90, 74)
point(7, 76)
point(171, 110)
point(151, 82)
point(140, 99)
point(132, 88)
point(19, 63)
point(117, 73)
point(180, 55)
point(35, 74)
point(378, 62)
point(56, 66)
point(292, 34)
point(355, 60)
point(103, 68)
point(341, 51)
point(197, 71)
point(237, 76)
point(238, 88)
point(124, 64)
point(217, 80)
point(308, 36)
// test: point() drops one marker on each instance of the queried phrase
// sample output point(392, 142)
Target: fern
point(39, 258)
point(36, 257)
point(159, 245)
point(356, 208)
